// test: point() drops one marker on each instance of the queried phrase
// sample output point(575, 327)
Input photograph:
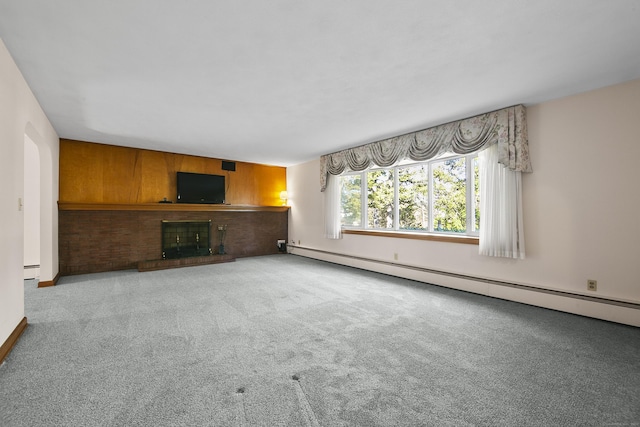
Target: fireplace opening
point(183, 239)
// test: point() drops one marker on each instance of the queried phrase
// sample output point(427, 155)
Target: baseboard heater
point(600, 300)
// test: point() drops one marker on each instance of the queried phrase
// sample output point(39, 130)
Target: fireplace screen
point(182, 239)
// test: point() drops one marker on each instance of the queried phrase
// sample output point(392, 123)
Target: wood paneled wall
point(99, 173)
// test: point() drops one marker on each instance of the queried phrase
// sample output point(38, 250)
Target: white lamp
point(283, 197)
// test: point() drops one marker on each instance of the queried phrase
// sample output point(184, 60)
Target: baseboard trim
point(48, 283)
point(6, 348)
point(601, 300)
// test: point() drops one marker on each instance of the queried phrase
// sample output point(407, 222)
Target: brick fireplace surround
point(105, 237)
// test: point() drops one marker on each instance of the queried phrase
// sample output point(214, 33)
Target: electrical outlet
point(395, 256)
point(592, 285)
point(298, 241)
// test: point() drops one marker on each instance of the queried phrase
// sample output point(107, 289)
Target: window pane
point(413, 194)
point(350, 201)
point(476, 193)
point(380, 199)
point(449, 196)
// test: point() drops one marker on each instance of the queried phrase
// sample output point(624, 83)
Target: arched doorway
point(31, 208)
point(48, 208)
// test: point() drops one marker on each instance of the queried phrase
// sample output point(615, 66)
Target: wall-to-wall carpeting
point(285, 340)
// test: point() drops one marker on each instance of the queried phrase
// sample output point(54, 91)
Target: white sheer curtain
point(501, 225)
point(332, 228)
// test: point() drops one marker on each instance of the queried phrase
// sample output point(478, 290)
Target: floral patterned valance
point(506, 127)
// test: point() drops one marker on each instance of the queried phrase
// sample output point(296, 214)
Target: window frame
point(469, 236)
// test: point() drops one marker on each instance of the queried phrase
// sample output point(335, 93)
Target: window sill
point(468, 240)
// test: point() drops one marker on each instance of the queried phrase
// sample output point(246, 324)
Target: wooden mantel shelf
point(169, 207)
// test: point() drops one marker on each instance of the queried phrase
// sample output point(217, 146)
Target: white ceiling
point(284, 81)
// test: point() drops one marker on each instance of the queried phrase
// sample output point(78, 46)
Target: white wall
point(20, 115)
point(581, 207)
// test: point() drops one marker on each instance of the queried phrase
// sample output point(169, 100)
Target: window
point(413, 197)
point(449, 195)
point(440, 196)
point(380, 198)
point(351, 200)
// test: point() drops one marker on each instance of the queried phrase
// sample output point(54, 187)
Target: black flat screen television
point(200, 188)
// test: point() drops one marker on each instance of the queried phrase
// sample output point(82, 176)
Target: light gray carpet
point(285, 340)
